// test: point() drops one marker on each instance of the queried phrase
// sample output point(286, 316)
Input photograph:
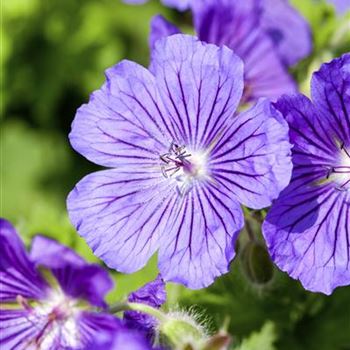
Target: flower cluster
point(214, 126)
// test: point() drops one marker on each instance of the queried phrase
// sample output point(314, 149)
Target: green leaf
point(262, 340)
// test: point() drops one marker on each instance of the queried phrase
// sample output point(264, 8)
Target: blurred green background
point(53, 54)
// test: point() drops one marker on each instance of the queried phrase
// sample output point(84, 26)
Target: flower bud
point(182, 332)
point(256, 263)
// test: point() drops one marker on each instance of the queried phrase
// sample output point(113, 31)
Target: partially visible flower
point(268, 35)
point(341, 6)
point(182, 162)
point(48, 297)
point(153, 294)
point(181, 5)
point(288, 30)
point(119, 339)
point(308, 227)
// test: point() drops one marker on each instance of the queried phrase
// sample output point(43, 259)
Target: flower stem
point(125, 306)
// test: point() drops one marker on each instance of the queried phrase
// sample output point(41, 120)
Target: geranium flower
point(268, 36)
point(182, 162)
point(308, 228)
point(52, 299)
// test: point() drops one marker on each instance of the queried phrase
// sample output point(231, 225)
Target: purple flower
point(47, 296)
point(182, 162)
point(153, 294)
point(308, 228)
point(261, 34)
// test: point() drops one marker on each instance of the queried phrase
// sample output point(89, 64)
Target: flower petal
point(105, 332)
point(122, 123)
point(252, 158)
point(77, 278)
point(200, 84)
point(153, 294)
point(18, 329)
point(18, 275)
point(161, 28)
point(289, 31)
point(308, 233)
point(122, 214)
point(330, 89)
point(199, 243)
point(311, 135)
point(237, 25)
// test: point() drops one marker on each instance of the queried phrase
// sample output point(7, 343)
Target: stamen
point(185, 167)
point(340, 174)
point(174, 160)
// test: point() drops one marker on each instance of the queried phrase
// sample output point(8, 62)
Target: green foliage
point(262, 340)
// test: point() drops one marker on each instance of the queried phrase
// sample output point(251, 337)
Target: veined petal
point(76, 277)
point(122, 124)
point(252, 157)
point(199, 243)
point(35, 328)
point(237, 24)
point(18, 275)
point(200, 84)
point(308, 233)
point(161, 28)
point(153, 294)
point(288, 30)
point(122, 214)
point(311, 135)
point(18, 329)
point(330, 89)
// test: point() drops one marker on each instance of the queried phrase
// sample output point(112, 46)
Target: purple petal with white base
point(153, 294)
point(308, 228)
point(164, 128)
point(77, 278)
point(39, 312)
point(180, 5)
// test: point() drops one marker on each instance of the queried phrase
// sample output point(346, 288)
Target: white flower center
point(55, 319)
point(184, 166)
point(340, 174)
